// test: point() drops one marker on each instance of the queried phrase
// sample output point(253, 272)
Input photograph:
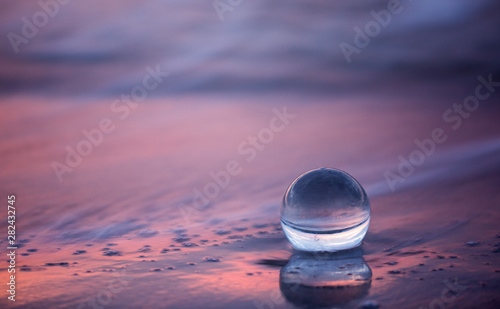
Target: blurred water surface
point(90, 48)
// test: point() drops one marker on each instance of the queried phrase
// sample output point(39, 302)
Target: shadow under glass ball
point(325, 210)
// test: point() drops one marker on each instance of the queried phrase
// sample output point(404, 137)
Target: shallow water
point(134, 196)
point(178, 205)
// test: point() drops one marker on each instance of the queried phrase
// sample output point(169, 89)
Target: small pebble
point(208, 259)
point(181, 239)
point(111, 253)
point(240, 229)
point(57, 264)
point(189, 244)
point(222, 232)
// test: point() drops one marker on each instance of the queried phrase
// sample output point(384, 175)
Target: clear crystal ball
point(325, 210)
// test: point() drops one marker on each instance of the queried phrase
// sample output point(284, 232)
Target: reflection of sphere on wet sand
point(310, 280)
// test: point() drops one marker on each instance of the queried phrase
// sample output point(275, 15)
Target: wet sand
point(125, 228)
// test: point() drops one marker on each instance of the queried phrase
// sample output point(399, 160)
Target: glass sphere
point(325, 210)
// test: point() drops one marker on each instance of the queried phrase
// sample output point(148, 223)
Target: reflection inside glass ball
point(325, 210)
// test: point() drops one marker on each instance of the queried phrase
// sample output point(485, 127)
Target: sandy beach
point(126, 227)
point(146, 148)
